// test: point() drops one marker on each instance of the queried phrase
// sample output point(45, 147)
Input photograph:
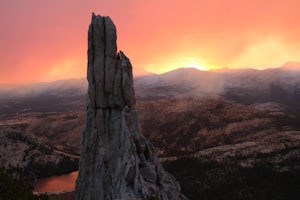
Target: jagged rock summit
point(116, 162)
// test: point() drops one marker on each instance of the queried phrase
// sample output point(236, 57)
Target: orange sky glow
point(47, 40)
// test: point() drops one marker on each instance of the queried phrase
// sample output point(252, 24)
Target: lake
point(65, 182)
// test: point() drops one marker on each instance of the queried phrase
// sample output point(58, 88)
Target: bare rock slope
point(117, 162)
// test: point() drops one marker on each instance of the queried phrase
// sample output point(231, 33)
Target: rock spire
point(116, 162)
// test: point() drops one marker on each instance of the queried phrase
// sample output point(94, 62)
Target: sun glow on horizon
point(206, 35)
point(176, 63)
point(195, 65)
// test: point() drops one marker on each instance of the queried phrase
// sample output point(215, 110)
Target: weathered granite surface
point(116, 162)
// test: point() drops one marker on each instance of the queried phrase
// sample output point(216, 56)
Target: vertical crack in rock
point(116, 162)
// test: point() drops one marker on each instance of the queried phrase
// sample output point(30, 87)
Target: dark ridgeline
point(116, 162)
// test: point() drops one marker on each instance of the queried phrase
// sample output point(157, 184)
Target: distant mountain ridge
point(291, 66)
point(63, 87)
point(242, 85)
point(138, 72)
point(248, 86)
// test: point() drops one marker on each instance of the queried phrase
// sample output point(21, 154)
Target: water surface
point(65, 182)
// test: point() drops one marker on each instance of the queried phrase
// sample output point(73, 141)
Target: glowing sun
point(193, 63)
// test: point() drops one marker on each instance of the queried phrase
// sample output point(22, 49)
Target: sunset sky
point(47, 40)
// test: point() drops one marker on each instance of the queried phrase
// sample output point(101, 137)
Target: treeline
point(13, 187)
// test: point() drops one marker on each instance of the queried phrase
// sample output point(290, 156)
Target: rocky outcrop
point(116, 162)
point(32, 155)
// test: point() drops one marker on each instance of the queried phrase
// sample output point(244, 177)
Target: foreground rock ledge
point(116, 162)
